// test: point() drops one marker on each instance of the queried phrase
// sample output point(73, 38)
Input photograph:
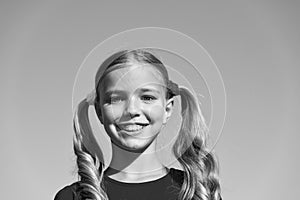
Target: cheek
point(156, 113)
point(112, 113)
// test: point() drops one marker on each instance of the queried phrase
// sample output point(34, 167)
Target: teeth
point(131, 127)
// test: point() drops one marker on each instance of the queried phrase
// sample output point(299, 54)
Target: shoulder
point(177, 175)
point(67, 193)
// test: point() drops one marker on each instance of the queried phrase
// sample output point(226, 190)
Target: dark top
point(164, 188)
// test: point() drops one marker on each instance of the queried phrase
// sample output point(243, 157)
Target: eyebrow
point(149, 90)
point(110, 92)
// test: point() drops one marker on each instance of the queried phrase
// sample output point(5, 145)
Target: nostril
point(132, 115)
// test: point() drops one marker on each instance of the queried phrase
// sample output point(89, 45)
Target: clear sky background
point(255, 44)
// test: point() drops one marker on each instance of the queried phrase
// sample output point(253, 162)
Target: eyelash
point(113, 100)
point(147, 98)
point(144, 97)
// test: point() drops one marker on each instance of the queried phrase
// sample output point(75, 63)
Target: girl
point(134, 99)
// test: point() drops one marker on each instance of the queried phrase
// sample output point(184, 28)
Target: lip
point(124, 127)
point(133, 123)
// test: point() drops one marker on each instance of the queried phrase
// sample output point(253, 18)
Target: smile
point(131, 127)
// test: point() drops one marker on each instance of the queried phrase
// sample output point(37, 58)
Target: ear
point(168, 109)
point(98, 111)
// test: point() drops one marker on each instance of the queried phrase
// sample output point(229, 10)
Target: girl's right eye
point(114, 100)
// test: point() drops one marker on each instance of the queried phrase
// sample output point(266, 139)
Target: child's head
point(134, 98)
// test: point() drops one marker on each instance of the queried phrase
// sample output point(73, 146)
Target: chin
point(133, 146)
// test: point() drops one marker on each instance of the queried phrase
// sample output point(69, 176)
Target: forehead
point(132, 78)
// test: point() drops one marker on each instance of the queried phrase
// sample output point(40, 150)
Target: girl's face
point(133, 106)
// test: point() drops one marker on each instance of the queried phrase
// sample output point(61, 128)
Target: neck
point(132, 166)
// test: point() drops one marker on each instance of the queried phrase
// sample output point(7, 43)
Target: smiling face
point(133, 106)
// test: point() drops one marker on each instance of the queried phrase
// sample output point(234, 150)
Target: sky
point(254, 44)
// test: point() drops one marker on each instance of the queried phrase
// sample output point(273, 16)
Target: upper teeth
point(134, 127)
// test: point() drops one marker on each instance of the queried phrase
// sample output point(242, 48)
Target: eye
point(148, 98)
point(114, 99)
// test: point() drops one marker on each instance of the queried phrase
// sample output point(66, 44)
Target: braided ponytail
point(201, 180)
point(90, 169)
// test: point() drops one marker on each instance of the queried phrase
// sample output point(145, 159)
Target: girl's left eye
point(148, 98)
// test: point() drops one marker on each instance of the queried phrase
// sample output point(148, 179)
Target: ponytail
point(90, 169)
point(201, 181)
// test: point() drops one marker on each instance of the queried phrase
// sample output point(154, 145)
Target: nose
point(132, 107)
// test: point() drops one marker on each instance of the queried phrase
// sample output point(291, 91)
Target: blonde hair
point(201, 180)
